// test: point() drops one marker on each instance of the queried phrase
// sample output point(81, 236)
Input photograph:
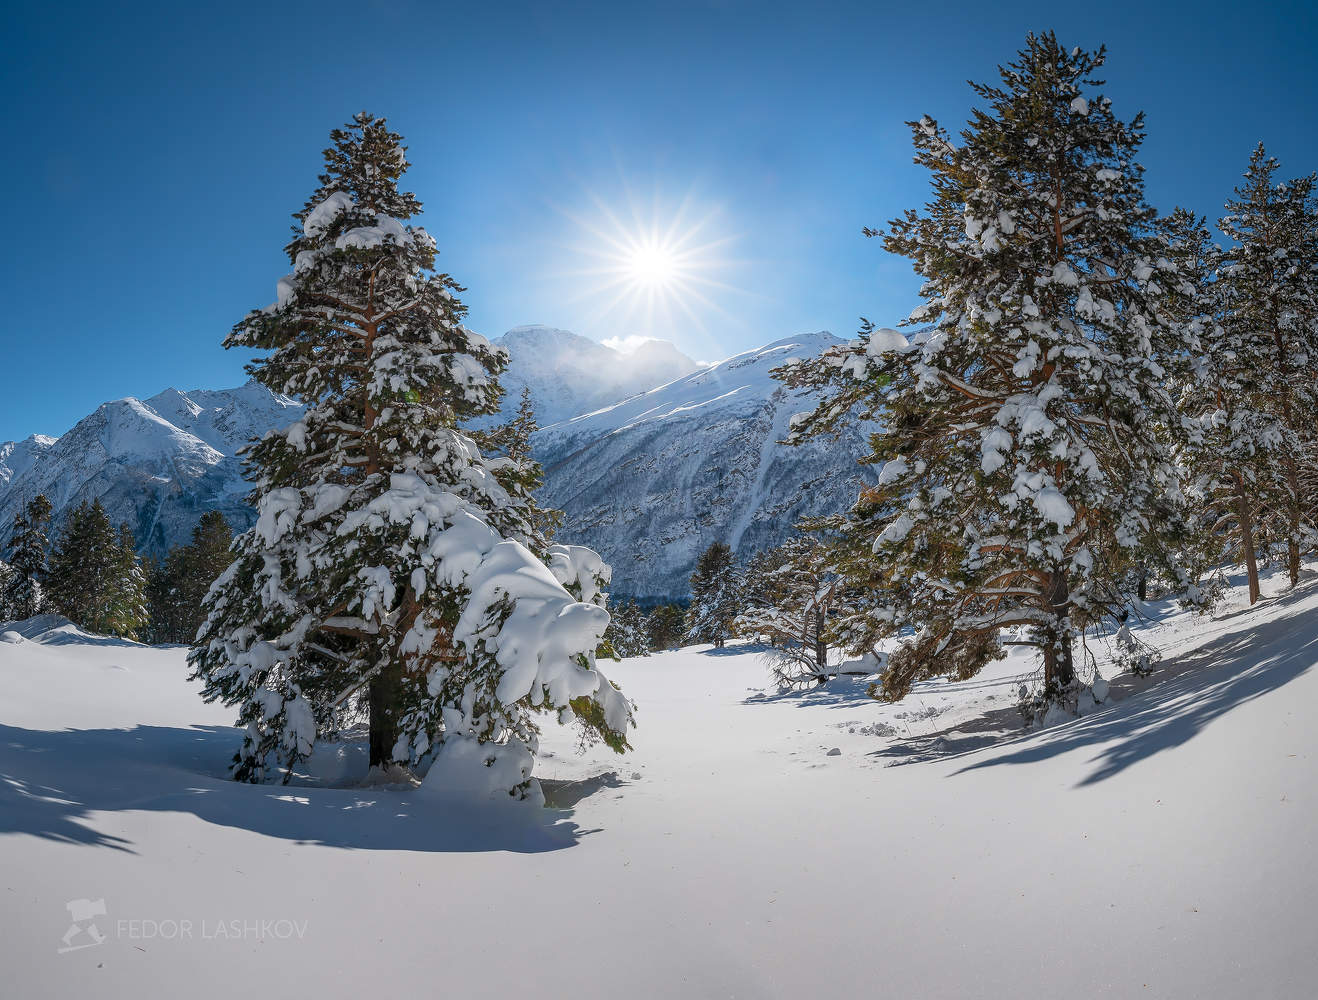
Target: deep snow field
point(1163, 846)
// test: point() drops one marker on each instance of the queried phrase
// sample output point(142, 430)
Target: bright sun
point(652, 265)
point(652, 269)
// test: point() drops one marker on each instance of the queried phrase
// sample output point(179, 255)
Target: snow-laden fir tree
point(626, 635)
point(127, 613)
point(1269, 288)
point(21, 596)
point(95, 578)
point(380, 579)
point(1229, 440)
point(1026, 468)
point(793, 599)
point(507, 451)
point(716, 597)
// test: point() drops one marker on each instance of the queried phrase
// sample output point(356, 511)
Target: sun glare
point(652, 271)
point(652, 265)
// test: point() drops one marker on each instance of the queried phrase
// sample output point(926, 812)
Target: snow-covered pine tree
point(378, 580)
point(1269, 287)
point(1025, 470)
point(94, 578)
point(126, 605)
point(6, 578)
point(1228, 438)
point(626, 634)
point(507, 450)
point(716, 596)
point(22, 593)
point(793, 597)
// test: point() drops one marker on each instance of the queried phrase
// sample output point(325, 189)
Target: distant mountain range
point(157, 464)
point(650, 455)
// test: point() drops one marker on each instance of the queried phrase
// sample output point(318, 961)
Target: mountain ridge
point(648, 478)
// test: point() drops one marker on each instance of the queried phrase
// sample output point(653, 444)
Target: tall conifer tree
point(1227, 437)
point(95, 578)
point(377, 581)
point(1025, 465)
point(716, 596)
point(508, 451)
point(22, 595)
point(1269, 287)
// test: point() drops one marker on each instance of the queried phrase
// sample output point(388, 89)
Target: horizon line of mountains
point(651, 456)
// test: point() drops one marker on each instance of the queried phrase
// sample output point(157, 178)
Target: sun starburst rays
point(651, 271)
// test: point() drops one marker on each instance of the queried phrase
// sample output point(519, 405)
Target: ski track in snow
point(755, 844)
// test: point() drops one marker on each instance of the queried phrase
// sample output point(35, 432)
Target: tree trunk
point(1293, 543)
point(1246, 528)
point(1142, 589)
point(383, 696)
point(1058, 667)
point(1292, 476)
point(821, 647)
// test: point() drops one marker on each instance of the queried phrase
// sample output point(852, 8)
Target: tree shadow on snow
point(994, 727)
point(1199, 688)
point(736, 649)
point(560, 794)
point(66, 786)
point(843, 691)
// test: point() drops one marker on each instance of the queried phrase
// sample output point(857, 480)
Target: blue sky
point(156, 154)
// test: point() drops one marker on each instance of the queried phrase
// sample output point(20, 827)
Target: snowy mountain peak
point(569, 374)
point(737, 384)
point(156, 464)
point(226, 419)
point(128, 427)
point(16, 457)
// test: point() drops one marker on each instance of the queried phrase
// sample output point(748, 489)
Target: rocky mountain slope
point(652, 481)
point(157, 464)
point(651, 457)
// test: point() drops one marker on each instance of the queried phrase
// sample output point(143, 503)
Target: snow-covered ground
point(1162, 846)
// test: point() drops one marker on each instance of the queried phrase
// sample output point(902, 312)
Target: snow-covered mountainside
point(569, 374)
point(652, 481)
point(156, 464)
point(16, 457)
point(651, 458)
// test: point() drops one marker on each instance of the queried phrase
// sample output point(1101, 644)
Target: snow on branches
point(1025, 464)
point(386, 576)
